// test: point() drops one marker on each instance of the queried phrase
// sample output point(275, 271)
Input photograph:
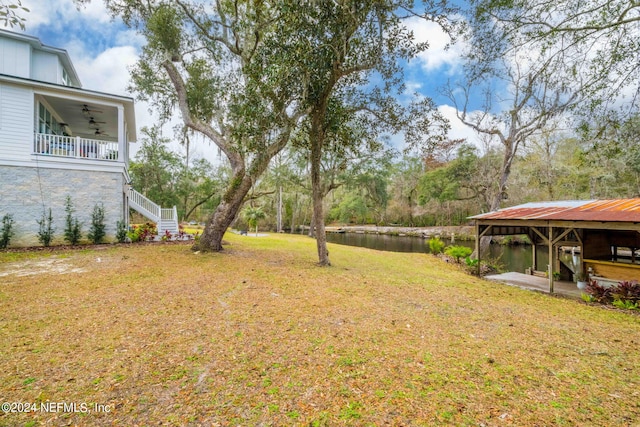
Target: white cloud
point(458, 129)
point(412, 87)
point(438, 55)
point(109, 71)
point(50, 12)
point(95, 12)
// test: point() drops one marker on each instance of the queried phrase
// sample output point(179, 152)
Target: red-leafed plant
point(627, 291)
point(599, 293)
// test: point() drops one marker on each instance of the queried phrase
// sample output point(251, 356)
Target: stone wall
point(27, 192)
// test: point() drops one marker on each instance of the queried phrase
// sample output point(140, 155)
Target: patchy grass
point(158, 335)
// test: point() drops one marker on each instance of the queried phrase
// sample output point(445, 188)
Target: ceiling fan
point(86, 110)
point(93, 123)
point(100, 132)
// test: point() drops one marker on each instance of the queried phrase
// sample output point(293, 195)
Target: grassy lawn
point(258, 335)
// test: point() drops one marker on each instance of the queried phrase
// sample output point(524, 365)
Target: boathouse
point(606, 232)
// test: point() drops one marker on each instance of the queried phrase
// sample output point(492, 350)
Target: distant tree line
point(444, 188)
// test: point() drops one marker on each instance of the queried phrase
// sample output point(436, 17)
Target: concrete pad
point(535, 283)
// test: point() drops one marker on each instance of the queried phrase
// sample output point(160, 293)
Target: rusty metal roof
point(614, 210)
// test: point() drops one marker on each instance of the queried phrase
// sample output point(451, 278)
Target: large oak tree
point(351, 53)
point(216, 64)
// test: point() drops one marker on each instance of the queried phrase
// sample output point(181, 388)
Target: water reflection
point(509, 258)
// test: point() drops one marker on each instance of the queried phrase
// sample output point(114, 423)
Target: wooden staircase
point(166, 219)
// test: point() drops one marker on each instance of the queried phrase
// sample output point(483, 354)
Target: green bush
point(436, 245)
point(458, 252)
point(7, 231)
point(471, 262)
point(121, 231)
point(73, 228)
point(97, 229)
point(45, 234)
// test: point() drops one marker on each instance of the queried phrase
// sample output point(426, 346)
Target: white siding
point(16, 125)
point(15, 58)
point(46, 67)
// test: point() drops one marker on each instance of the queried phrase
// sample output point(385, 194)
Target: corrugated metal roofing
point(614, 210)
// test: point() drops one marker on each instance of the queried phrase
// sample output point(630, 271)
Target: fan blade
point(86, 110)
point(92, 122)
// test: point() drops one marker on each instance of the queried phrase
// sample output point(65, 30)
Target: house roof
point(612, 210)
point(37, 44)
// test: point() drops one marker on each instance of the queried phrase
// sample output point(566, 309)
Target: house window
point(66, 80)
point(47, 123)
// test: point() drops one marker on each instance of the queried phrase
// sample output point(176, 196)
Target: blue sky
point(102, 49)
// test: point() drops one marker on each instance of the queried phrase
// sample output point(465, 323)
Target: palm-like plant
point(252, 216)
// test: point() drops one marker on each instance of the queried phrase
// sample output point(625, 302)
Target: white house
point(59, 140)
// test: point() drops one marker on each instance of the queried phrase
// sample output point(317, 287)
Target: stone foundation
point(27, 193)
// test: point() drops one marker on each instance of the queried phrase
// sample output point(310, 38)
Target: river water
point(509, 258)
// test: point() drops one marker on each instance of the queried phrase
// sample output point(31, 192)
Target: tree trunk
point(317, 141)
point(502, 187)
point(318, 224)
point(225, 213)
point(279, 220)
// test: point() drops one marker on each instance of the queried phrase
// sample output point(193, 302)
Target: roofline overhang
point(127, 102)
point(60, 53)
point(591, 225)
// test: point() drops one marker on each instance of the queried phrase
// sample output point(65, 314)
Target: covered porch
point(606, 233)
point(93, 127)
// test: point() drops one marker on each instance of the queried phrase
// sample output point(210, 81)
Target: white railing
point(75, 147)
point(144, 205)
point(165, 219)
point(170, 213)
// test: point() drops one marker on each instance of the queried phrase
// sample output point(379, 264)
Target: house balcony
point(76, 147)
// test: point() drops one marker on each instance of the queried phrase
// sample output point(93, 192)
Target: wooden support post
point(552, 260)
point(535, 257)
point(479, 236)
point(478, 248)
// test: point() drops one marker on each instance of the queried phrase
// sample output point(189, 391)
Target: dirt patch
point(35, 267)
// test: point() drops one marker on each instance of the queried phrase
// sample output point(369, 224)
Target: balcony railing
point(75, 147)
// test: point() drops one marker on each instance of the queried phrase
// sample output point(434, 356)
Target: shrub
point(72, 229)
point(436, 245)
point(599, 293)
point(132, 236)
point(7, 231)
point(45, 234)
point(625, 304)
point(142, 232)
point(97, 229)
point(458, 252)
point(587, 298)
point(121, 231)
point(471, 262)
point(626, 291)
point(625, 294)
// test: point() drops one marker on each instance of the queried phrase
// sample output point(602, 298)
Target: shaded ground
point(258, 335)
